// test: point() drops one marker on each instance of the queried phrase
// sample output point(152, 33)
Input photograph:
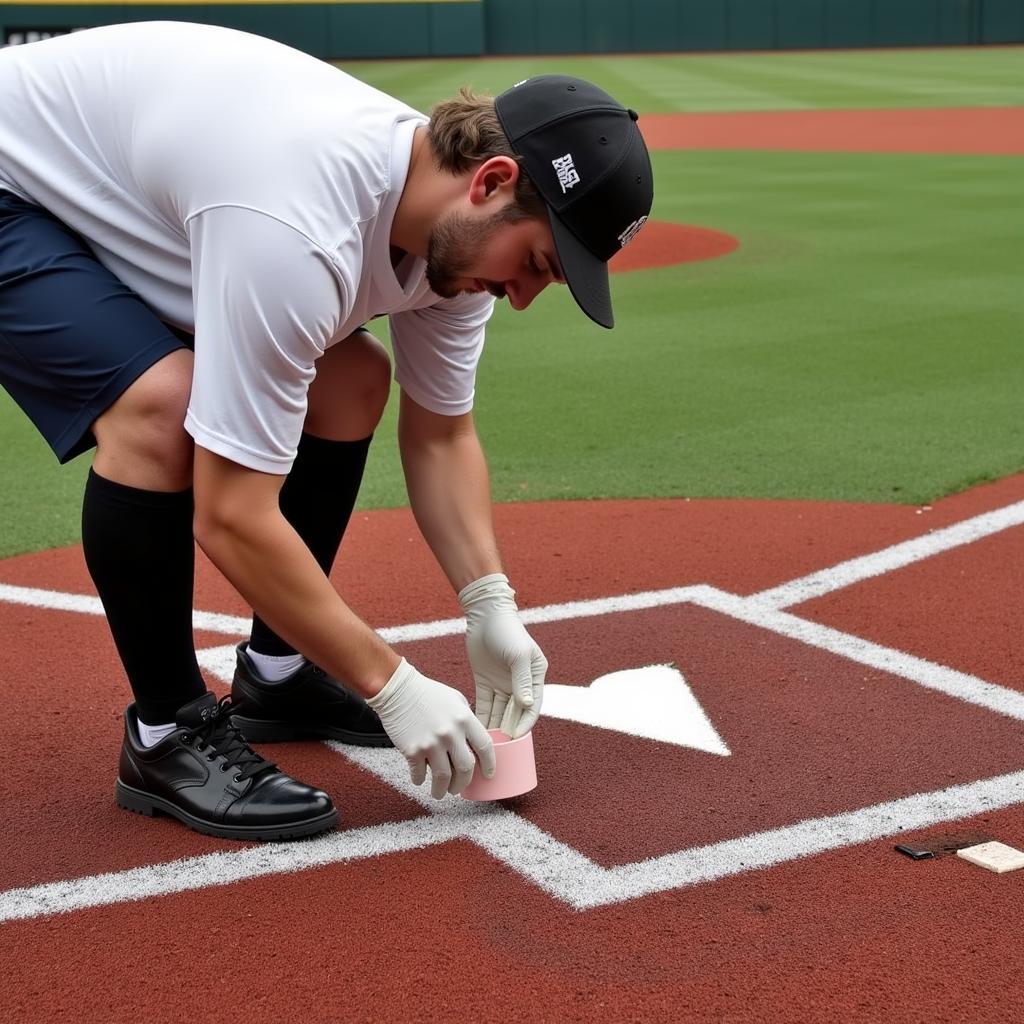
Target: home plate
point(654, 702)
point(996, 857)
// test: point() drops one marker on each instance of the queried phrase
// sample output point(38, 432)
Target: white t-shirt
point(246, 192)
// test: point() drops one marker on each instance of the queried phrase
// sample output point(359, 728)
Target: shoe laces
point(220, 737)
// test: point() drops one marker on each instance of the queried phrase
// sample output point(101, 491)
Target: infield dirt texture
point(820, 337)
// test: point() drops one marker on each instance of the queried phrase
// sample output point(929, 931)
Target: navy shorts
point(72, 336)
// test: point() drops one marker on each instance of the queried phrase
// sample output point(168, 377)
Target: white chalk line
point(55, 600)
point(796, 591)
point(555, 867)
point(929, 674)
point(768, 849)
point(568, 875)
point(896, 557)
point(234, 625)
point(215, 869)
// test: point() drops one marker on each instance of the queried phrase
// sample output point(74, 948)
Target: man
point(195, 224)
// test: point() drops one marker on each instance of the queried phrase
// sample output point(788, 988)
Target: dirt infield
point(661, 244)
point(996, 131)
point(862, 662)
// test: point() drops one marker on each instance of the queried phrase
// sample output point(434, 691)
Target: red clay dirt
point(661, 244)
point(856, 934)
point(977, 130)
point(997, 131)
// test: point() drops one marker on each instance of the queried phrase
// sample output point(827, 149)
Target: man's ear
point(493, 179)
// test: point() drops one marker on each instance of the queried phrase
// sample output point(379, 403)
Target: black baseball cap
point(584, 153)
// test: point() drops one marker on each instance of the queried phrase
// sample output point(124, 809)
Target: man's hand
point(432, 724)
point(507, 664)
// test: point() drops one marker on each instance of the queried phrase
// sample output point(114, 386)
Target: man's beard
point(456, 243)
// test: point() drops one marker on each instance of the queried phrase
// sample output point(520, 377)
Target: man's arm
point(239, 524)
point(240, 527)
point(449, 491)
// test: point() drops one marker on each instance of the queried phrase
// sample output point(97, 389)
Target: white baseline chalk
point(557, 868)
point(896, 557)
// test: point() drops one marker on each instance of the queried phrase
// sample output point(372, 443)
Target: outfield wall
point(446, 28)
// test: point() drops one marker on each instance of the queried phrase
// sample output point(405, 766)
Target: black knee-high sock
point(139, 549)
point(317, 499)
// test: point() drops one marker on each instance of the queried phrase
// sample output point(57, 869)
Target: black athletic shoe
point(207, 776)
point(309, 704)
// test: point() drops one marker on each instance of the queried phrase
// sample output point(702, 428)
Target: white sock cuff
point(153, 734)
point(272, 668)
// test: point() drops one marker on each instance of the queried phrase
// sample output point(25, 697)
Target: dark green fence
point(572, 26)
point(449, 28)
point(436, 28)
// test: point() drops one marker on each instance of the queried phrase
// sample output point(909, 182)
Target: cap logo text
point(627, 235)
point(566, 171)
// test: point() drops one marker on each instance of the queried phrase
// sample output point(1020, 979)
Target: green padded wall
point(849, 22)
point(655, 25)
point(800, 24)
point(560, 25)
point(424, 28)
point(456, 30)
point(326, 30)
point(510, 27)
point(357, 30)
point(608, 26)
point(957, 22)
point(751, 24)
point(1002, 21)
point(906, 23)
point(703, 25)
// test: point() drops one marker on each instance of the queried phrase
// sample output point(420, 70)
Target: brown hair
point(466, 131)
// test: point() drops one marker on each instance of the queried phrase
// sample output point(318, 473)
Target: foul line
point(215, 869)
point(961, 685)
point(554, 866)
point(55, 600)
point(794, 592)
point(573, 878)
point(557, 868)
point(895, 557)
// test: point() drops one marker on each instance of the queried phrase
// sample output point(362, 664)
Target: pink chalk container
point(515, 769)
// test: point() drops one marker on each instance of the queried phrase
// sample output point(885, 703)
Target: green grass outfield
point(866, 342)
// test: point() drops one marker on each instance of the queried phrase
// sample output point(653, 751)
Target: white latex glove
point(507, 664)
point(432, 724)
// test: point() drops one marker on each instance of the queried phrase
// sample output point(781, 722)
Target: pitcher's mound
point(660, 244)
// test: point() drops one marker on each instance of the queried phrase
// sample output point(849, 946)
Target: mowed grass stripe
point(862, 343)
point(857, 346)
point(659, 83)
